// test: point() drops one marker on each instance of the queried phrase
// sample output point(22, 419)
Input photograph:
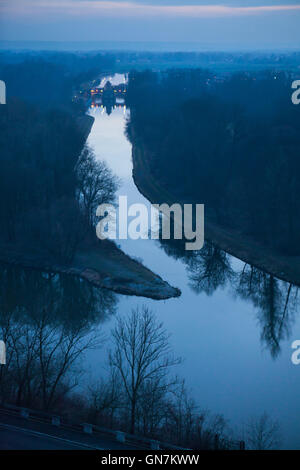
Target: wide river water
point(227, 367)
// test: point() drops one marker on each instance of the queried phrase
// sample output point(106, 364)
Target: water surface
point(228, 367)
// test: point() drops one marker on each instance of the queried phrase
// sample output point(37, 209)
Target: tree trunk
point(132, 419)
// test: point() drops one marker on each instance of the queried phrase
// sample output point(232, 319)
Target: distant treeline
point(221, 62)
point(50, 78)
point(230, 143)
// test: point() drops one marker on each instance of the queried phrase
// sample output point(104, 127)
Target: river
point(227, 367)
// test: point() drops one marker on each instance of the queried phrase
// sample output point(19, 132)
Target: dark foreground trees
point(142, 394)
point(48, 333)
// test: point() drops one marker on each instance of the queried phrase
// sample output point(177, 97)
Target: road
point(16, 438)
point(17, 433)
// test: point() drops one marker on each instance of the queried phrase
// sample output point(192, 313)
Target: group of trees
point(50, 184)
point(232, 144)
point(48, 334)
point(143, 395)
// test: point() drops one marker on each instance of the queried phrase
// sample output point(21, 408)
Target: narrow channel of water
point(227, 367)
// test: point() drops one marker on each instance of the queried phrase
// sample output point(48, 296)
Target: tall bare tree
point(96, 183)
point(59, 350)
point(141, 353)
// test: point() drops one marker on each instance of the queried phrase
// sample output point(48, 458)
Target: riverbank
point(85, 124)
point(104, 266)
point(286, 268)
point(109, 267)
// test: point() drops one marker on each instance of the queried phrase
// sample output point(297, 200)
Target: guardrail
point(87, 428)
point(119, 436)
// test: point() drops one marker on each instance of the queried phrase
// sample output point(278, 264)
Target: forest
point(50, 183)
point(230, 142)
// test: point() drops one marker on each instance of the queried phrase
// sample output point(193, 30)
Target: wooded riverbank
point(286, 268)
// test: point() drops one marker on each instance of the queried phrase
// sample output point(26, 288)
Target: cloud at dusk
point(253, 22)
point(40, 8)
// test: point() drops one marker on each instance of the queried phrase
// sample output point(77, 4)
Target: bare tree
point(141, 353)
point(152, 405)
point(185, 424)
point(263, 433)
point(181, 415)
point(59, 349)
point(43, 359)
point(21, 368)
point(96, 183)
point(105, 399)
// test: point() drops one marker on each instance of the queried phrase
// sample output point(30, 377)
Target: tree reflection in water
point(209, 269)
point(275, 301)
point(48, 321)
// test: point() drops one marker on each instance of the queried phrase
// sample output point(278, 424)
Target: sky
point(236, 24)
